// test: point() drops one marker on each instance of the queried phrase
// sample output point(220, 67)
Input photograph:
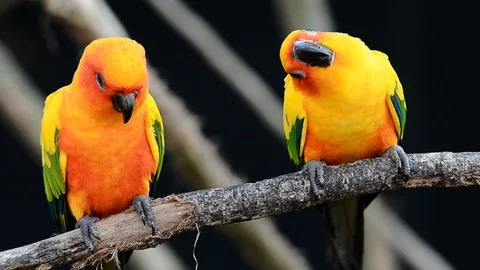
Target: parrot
point(343, 102)
point(102, 140)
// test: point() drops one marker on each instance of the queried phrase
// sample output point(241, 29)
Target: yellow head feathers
point(324, 60)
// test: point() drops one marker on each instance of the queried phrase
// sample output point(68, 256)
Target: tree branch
point(213, 207)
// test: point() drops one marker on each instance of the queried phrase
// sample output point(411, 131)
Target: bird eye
point(100, 81)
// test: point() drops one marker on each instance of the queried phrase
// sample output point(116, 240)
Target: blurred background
point(219, 85)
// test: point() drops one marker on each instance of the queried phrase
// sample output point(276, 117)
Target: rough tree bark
point(213, 207)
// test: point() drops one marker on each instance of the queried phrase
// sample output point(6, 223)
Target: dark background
point(431, 45)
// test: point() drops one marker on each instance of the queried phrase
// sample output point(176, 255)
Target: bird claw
point(315, 169)
point(88, 228)
point(143, 206)
point(398, 155)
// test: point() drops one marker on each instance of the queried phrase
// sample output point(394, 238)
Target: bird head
point(112, 77)
point(320, 62)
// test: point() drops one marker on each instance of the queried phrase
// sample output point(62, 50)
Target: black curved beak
point(124, 104)
point(313, 54)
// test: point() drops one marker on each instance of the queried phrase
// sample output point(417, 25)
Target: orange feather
point(109, 163)
point(107, 166)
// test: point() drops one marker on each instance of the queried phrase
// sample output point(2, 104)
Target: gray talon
point(398, 155)
point(88, 228)
point(315, 169)
point(139, 208)
point(143, 206)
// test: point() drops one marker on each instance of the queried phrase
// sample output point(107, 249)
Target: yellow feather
point(63, 164)
point(348, 103)
point(153, 114)
point(393, 86)
point(50, 124)
point(293, 109)
point(350, 98)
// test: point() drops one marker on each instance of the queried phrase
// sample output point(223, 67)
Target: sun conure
point(343, 102)
point(102, 139)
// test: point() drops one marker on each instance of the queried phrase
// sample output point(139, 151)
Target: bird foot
point(87, 229)
point(143, 205)
point(315, 169)
point(398, 155)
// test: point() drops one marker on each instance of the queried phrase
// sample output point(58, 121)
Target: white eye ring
point(100, 81)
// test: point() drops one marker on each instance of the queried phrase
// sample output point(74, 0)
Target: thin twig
point(213, 207)
point(195, 246)
point(195, 155)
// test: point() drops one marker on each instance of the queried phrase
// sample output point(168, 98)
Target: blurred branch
point(305, 14)
point(150, 258)
point(195, 156)
point(20, 101)
point(378, 254)
point(227, 63)
point(213, 207)
point(407, 242)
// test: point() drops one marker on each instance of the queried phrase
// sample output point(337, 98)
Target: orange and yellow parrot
point(343, 102)
point(102, 139)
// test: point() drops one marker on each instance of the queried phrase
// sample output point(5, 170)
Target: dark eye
point(100, 81)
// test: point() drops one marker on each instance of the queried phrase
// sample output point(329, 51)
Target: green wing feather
point(156, 138)
point(54, 161)
point(55, 188)
point(396, 99)
point(398, 109)
point(158, 133)
point(294, 141)
point(294, 122)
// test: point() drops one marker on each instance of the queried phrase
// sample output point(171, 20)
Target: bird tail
point(344, 232)
point(123, 258)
